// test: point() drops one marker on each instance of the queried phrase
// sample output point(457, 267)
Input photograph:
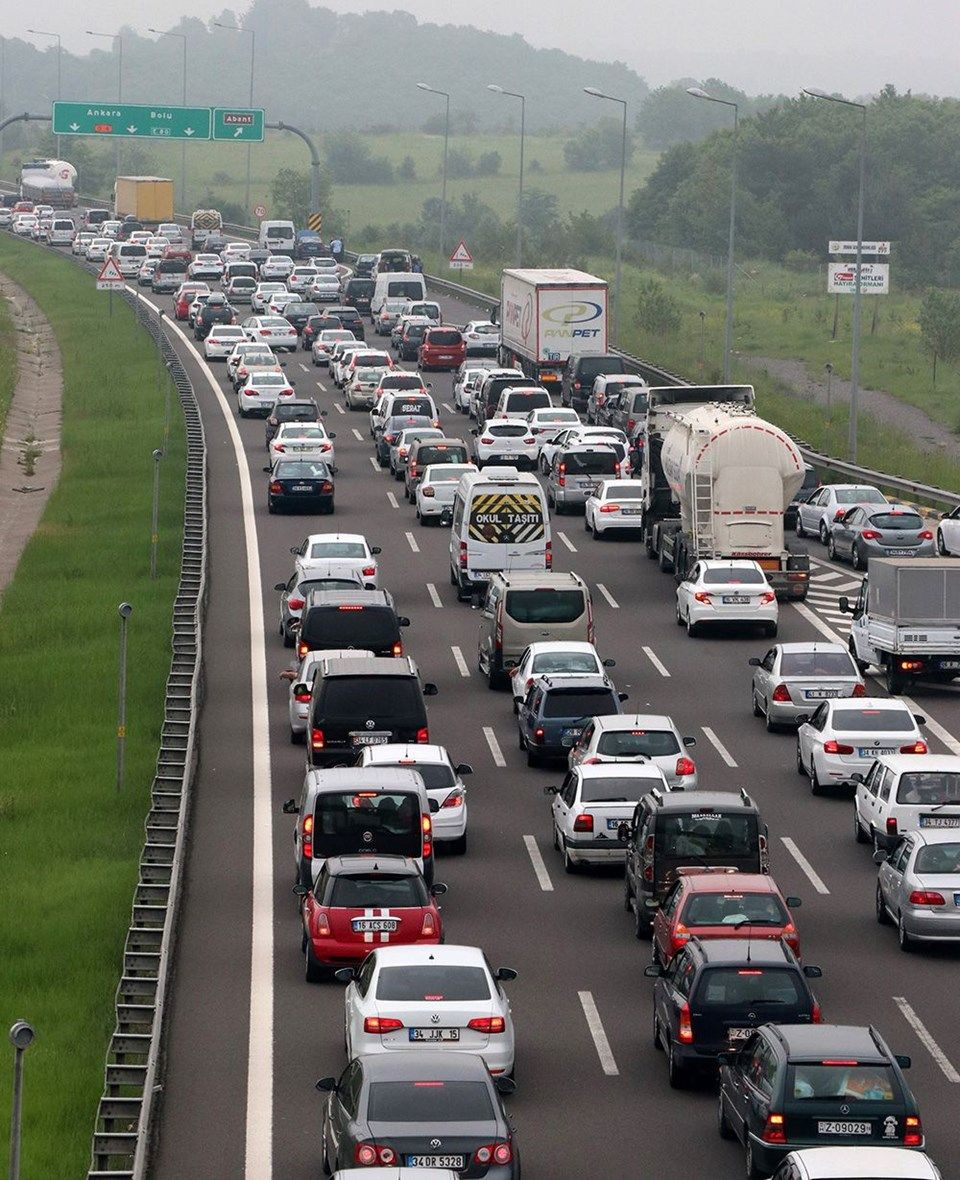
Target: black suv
point(579, 374)
point(363, 619)
point(715, 991)
point(358, 292)
point(674, 828)
point(349, 318)
point(215, 310)
point(297, 314)
point(822, 1085)
point(300, 410)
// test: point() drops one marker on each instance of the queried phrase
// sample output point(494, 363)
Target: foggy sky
point(762, 46)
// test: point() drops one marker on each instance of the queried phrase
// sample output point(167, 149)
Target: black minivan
point(333, 620)
point(358, 293)
point(580, 373)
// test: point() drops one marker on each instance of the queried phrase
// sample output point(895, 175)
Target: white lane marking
point(926, 1039)
point(461, 662)
point(336, 405)
point(304, 367)
point(934, 726)
point(375, 465)
point(820, 625)
point(651, 656)
point(447, 407)
point(434, 596)
point(412, 542)
point(829, 576)
point(595, 1025)
point(566, 540)
point(608, 596)
point(357, 435)
point(393, 500)
point(536, 858)
point(494, 745)
point(718, 745)
point(812, 876)
point(258, 1147)
point(324, 388)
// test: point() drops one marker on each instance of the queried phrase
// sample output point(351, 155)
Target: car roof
point(889, 703)
point(934, 836)
point(861, 1163)
point(442, 1064)
point(403, 956)
point(635, 720)
point(545, 579)
point(504, 422)
point(692, 800)
point(729, 883)
point(566, 682)
point(898, 763)
point(817, 1041)
point(357, 778)
point(767, 951)
point(345, 866)
point(360, 597)
point(724, 563)
point(810, 645)
point(621, 770)
point(317, 538)
point(377, 667)
point(548, 645)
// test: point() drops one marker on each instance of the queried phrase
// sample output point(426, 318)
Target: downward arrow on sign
point(188, 131)
point(131, 130)
point(74, 126)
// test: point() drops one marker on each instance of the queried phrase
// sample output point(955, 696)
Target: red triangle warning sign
point(110, 272)
point(461, 254)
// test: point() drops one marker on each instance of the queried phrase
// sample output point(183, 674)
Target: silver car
point(918, 888)
point(792, 678)
point(576, 470)
point(866, 531)
point(293, 593)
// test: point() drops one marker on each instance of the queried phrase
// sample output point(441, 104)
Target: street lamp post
point(696, 92)
point(617, 320)
point(124, 610)
point(253, 53)
point(154, 523)
point(119, 40)
point(183, 102)
point(21, 1037)
point(857, 302)
point(446, 142)
point(523, 113)
point(44, 33)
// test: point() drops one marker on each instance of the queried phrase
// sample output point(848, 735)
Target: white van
point(500, 522)
point(62, 232)
point(278, 237)
point(397, 285)
point(130, 256)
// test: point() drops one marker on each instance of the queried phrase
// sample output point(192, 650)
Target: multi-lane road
point(247, 1036)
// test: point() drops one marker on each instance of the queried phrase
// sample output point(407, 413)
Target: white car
point(842, 738)
point(831, 501)
point(261, 391)
point(221, 340)
point(293, 593)
point(206, 266)
point(906, 793)
point(81, 242)
point(140, 237)
point(110, 229)
point(250, 353)
point(361, 390)
point(322, 347)
point(437, 488)
point(302, 440)
point(481, 337)
point(857, 1163)
point(638, 737)
point(146, 272)
point(547, 420)
point(340, 360)
point(573, 435)
point(591, 803)
point(430, 997)
point(401, 447)
point(468, 376)
point(26, 224)
point(444, 782)
point(155, 246)
point(262, 295)
point(614, 504)
point(6, 217)
point(402, 401)
point(299, 277)
point(279, 301)
point(344, 549)
point(235, 252)
point(554, 657)
point(277, 267)
point(718, 591)
point(97, 250)
point(948, 533)
point(272, 330)
point(324, 288)
point(505, 440)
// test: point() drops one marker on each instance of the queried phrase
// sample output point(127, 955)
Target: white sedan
point(82, 241)
point(96, 250)
point(302, 440)
point(300, 277)
point(948, 533)
point(437, 488)
point(272, 330)
point(261, 296)
point(280, 300)
point(261, 391)
point(547, 420)
point(481, 337)
point(505, 440)
point(614, 504)
point(843, 737)
point(718, 591)
point(206, 266)
point(444, 782)
point(345, 549)
point(430, 997)
point(221, 341)
point(248, 355)
point(554, 657)
point(155, 246)
point(278, 267)
point(322, 347)
point(324, 288)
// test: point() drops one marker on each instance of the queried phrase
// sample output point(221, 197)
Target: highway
point(247, 1036)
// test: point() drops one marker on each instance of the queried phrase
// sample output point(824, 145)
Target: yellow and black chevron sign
point(501, 518)
point(315, 222)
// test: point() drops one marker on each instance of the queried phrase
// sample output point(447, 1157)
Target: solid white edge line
point(926, 1039)
point(718, 745)
point(539, 866)
point(566, 540)
point(412, 542)
point(595, 1025)
point(258, 1148)
point(434, 596)
point(657, 663)
point(811, 873)
point(812, 619)
point(608, 596)
point(460, 661)
point(392, 500)
point(494, 745)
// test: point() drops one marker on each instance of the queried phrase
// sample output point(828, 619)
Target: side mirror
point(812, 972)
point(623, 696)
point(292, 384)
point(280, 586)
point(880, 856)
point(902, 1060)
point(327, 1085)
point(844, 604)
point(551, 790)
point(651, 903)
point(754, 661)
point(290, 807)
point(653, 970)
point(430, 690)
point(505, 1085)
point(331, 434)
point(920, 719)
point(689, 741)
point(345, 975)
point(463, 768)
point(300, 689)
point(375, 549)
point(295, 550)
point(323, 413)
point(267, 471)
point(438, 890)
point(857, 777)
point(300, 890)
point(794, 902)
point(403, 621)
point(434, 806)
point(803, 718)
point(505, 974)
point(609, 663)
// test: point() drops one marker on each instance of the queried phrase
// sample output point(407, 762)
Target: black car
point(215, 310)
point(297, 314)
point(315, 324)
point(335, 620)
point(215, 244)
point(818, 1085)
point(424, 1109)
point(299, 410)
point(392, 429)
point(358, 292)
point(349, 318)
point(408, 346)
point(258, 255)
point(581, 371)
point(300, 483)
point(363, 267)
point(128, 226)
point(716, 990)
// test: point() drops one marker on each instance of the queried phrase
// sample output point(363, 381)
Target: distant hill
point(321, 70)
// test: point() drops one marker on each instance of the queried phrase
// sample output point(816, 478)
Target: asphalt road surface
point(247, 1036)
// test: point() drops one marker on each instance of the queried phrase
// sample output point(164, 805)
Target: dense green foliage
point(599, 147)
point(670, 116)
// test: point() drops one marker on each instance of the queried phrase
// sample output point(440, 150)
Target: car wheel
point(679, 615)
point(771, 725)
point(271, 507)
point(757, 711)
point(676, 1073)
point(859, 834)
point(657, 1042)
point(824, 535)
point(856, 558)
point(904, 941)
point(532, 758)
point(753, 1172)
point(832, 549)
point(692, 628)
point(586, 523)
point(297, 739)
point(861, 666)
point(816, 787)
point(883, 918)
point(724, 1130)
point(569, 865)
point(941, 548)
point(627, 894)
point(801, 769)
point(641, 928)
point(556, 839)
point(313, 972)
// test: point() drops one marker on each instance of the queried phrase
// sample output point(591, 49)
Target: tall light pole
point(595, 93)
point(183, 102)
point(857, 302)
point(253, 53)
point(3, 89)
point(696, 92)
point(446, 143)
point(21, 1037)
point(44, 33)
point(119, 40)
point(124, 610)
point(523, 113)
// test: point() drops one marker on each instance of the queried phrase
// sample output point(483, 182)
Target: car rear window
point(300, 470)
point(545, 605)
point(430, 1102)
point(437, 776)
point(740, 576)
point(433, 982)
point(366, 627)
point(523, 403)
point(333, 549)
point(172, 266)
point(859, 496)
point(929, 787)
point(938, 858)
point(591, 462)
point(580, 702)
point(505, 431)
point(412, 405)
point(442, 453)
point(897, 520)
point(730, 909)
point(359, 287)
point(375, 891)
point(565, 661)
point(872, 721)
point(628, 789)
point(842, 1081)
point(702, 834)
point(744, 987)
point(444, 337)
point(295, 414)
point(371, 360)
point(404, 290)
point(590, 367)
point(816, 663)
point(627, 743)
point(441, 474)
point(401, 381)
point(308, 584)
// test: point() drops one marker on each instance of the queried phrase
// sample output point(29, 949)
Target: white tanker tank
point(49, 182)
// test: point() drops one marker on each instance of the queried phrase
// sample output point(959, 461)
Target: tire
point(569, 866)
point(942, 550)
point(824, 535)
point(757, 711)
point(271, 508)
point(724, 1130)
point(904, 941)
point(693, 629)
point(313, 972)
point(753, 1172)
point(799, 529)
point(883, 918)
point(533, 759)
point(297, 739)
point(679, 615)
point(627, 894)
point(586, 523)
point(859, 834)
point(771, 630)
point(801, 769)
point(856, 559)
point(816, 787)
point(457, 847)
point(771, 726)
point(676, 1073)
point(893, 682)
point(641, 929)
point(832, 549)
point(657, 1043)
point(861, 666)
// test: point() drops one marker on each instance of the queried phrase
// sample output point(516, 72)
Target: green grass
point(8, 361)
point(69, 843)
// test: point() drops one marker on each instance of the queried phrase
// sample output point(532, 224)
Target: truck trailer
point(147, 198)
point(49, 182)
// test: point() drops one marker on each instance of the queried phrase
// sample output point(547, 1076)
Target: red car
point(185, 296)
point(358, 902)
point(722, 903)
point(442, 348)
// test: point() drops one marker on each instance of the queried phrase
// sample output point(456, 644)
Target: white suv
point(906, 793)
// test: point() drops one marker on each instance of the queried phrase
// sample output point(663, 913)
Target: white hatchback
point(505, 440)
point(345, 549)
point(437, 487)
point(221, 340)
point(444, 782)
point(554, 657)
point(638, 738)
point(844, 737)
point(717, 592)
point(303, 440)
point(614, 504)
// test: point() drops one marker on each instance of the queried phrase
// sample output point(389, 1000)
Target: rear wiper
point(612, 799)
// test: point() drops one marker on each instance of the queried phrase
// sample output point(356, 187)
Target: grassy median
point(8, 361)
point(69, 842)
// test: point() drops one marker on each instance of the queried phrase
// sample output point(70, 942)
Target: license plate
point(434, 1034)
point(302, 487)
point(369, 739)
point(837, 1127)
point(899, 552)
point(950, 665)
point(455, 1163)
point(736, 599)
point(630, 511)
point(614, 824)
point(874, 751)
point(816, 694)
point(940, 821)
point(374, 925)
point(569, 736)
point(738, 1034)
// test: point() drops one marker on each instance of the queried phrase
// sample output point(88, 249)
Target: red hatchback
point(358, 902)
point(722, 903)
point(442, 348)
point(185, 296)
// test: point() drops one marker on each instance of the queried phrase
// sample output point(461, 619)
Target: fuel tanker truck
point(717, 480)
point(49, 182)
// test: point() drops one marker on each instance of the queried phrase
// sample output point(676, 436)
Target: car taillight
point(487, 1024)
point(264, 331)
point(548, 555)
point(369, 1155)
point(302, 698)
point(463, 555)
point(926, 897)
point(280, 447)
point(295, 604)
point(891, 825)
point(326, 487)
point(276, 487)
point(487, 442)
point(816, 1016)
point(423, 735)
point(583, 823)
point(913, 1131)
point(680, 936)
point(838, 515)
point(684, 1027)
point(494, 1153)
point(702, 596)
point(306, 835)
point(616, 470)
point(925, 535)
point(773, 1130)
point(454, 799)
point(412, 468)
point(390, 438)
point(781, 693)
point(316, 739)
point(631, 422)
point(302, 649)
point(563, 475)
point(914, 748)
point(321, 925)
point(609, 507)
point(429, 926)
point(870, 534)
point(538, 734)
point(427, 491)
point(859, 690)
point(530, 439)
point(834, 747)
point(381, 1024)
point(368, 571)
point(685, 766)
point(767, 597)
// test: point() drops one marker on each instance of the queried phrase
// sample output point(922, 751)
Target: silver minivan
point(575, 472)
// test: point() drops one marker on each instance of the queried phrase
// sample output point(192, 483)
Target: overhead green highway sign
point(129, 121)
point(239, 124)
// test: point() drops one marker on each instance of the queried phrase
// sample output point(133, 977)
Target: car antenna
point(737, 925)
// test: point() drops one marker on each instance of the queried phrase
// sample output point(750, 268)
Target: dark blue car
point(556, 708)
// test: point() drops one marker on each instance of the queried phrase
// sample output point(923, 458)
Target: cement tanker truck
point(49, 182)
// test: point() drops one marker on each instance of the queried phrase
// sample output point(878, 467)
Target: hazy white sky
point(760, 45)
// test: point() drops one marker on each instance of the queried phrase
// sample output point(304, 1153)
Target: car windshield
point(707, 833)
point(737, 576)
point(897, 520)
point(872, 721)
point(603, 462)
point(431, 1102)
point(300, 470)
point(545, 605)
point(743, 987)
point(859, 496)
point(375, 891)
point(580, 702)
point(623, 789)
point(938, 858)
point(433, 983)
point(565, 661)
point(929, 787)
point(841, 1081)
point(627, 743)
point(730, 909)
point(816, 663)
point(333, 549)
point(367, 628)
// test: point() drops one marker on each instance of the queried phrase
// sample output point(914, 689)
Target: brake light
point(306, 835)
point(423, 736)
point(369, 571)
point(412, 468)
point(583, 823)
point(401, 451)
point(609, 507)
point(685, 1028)
point(494, 1153)
point(498, 633)
point(302, 698)
point(397, 649)
point(563, 477)
point(838, 515)
point(316, 739)
point(781, 693)
point(616, 469)
point(264, 331)
point(548, 555)
point(381, 1024)
point(427, 491)
point(255, 393)
point(685, 766)
point(429, 927)
point(859, 690)
point(834, 747)
point(816, 1016)
point(913, 1131)
point(372, 1155)
point(326, 487)
point(774, 1131)
point(276, 487)
point(631, 422)
point(870, 534)
point(702, 596)
point(302, 649)
point(914, 748)
point(454, 799)
point(321, 925)
point(891, 825)
point(487, 1024)
point(925, 535)
point(487, 442)
point(679, 936)
point(463, 555)
point(926, 897)
point(530, 440)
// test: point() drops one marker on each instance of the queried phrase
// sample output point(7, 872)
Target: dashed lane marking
point(494, 745)
point(336, 405)
point(393, 500)
point(357, 435)
point(926, 1039)
point(811, 873)
point(412, 542)
point(718, 746)
point(460, 661)
point(651, 656)
point(375, 465)
point(595, 1025)
point(539, 868)
point(608, 596)
point(566, 540)
point(434, 596)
